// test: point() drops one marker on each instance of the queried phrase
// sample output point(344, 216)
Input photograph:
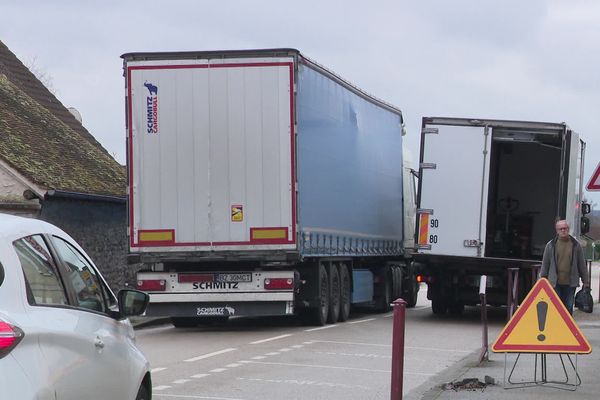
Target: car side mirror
point(132, 302)
point(585, 225)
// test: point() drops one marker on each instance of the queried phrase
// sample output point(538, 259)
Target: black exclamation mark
point(542, 310)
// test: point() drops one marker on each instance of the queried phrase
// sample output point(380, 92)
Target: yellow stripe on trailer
point(423, 229)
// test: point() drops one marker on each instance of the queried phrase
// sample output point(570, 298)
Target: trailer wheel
point(334, 295)
point(319, 314)
point(345, 292)
point(397, 282)
point(412, 291)
point(439, 306)
point(384, 298)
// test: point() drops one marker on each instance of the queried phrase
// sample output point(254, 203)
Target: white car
point(63, 334)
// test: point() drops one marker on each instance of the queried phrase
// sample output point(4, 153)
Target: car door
point(107, 341)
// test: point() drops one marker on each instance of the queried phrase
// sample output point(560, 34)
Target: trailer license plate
point(234, 277)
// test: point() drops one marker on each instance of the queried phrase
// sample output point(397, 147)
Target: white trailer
point(260, 183)
point(489, 194)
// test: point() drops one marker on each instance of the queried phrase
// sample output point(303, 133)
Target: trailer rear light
point(152, 285)
point(279, 283)
point(420, 278)
point(189, 278)
point(10, 336)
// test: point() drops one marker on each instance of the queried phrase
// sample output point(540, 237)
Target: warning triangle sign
point(542, 324)
point(594, 183)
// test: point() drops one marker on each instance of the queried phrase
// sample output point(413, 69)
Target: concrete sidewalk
point(588, 368)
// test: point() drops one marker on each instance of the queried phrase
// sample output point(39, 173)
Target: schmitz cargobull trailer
point(261, 183)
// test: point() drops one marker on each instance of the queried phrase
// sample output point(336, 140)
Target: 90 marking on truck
point(426, 225)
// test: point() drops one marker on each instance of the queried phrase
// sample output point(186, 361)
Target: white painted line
point(354, 343)
point(437, 349)
point(155, 370)
point(233, 365)
point(271, 339)
point(184, 396)
point(307, 342)
point(162, 387)
point(216, 353)
point(244, 362)
point(285, 349)
point(198, 376)
point(388, 315)
point(218, 370)
point(332, 367)
point(298, 346)
point(258, 358)
point(273, 353)
point(320, 328)
point(306, 382)
point(387, 371)
point(180, 381)
point(361, 320)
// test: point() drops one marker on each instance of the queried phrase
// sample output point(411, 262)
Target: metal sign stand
point(565, 384)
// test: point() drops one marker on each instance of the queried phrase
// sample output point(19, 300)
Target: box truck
point(261, 183)
point(489, 194)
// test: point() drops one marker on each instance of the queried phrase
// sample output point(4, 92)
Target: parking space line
point(180, 381)
point(322, 366)
point(273, 353)
point(216, 353)
point(161, 387)
point(361, 320)
point(218, 370)
point(155, 370)
point(234, 365)
point(199, 376)
point(271, 338)
point(354, 343)
point(320, 328)
point(190, 396)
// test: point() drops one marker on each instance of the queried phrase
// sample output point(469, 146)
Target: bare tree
point(41, 74)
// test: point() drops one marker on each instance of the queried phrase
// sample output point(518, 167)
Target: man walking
point(563, 264)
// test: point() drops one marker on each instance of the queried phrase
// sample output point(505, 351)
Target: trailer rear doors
point(211, 154)
point(454, 172)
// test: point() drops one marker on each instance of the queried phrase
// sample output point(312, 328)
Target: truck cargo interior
point(523, 185)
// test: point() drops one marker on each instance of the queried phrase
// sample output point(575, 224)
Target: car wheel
point(142, 393)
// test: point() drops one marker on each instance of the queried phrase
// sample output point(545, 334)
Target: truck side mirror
point(585, 225)
point(585, 208)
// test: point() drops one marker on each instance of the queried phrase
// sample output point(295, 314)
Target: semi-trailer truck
point(490, 192)
point(262, 183)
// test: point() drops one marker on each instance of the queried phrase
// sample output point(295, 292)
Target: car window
point(81, 276)
point(43, 285)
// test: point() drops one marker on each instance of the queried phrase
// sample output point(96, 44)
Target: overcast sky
point(523, 60)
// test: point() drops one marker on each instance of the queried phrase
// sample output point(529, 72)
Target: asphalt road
point(277, 358)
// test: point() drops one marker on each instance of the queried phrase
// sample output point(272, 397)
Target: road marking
point(320, 328)
point(216, 353)
point(436, 349)
point(218, 370)
point(388, 315)
point(185, 396)
point(198, 376)
point(331, 353)
point(273, 353)
point(180, 381)
point(272, 338)
point(361, 320)
point(306, 383)
point(258, 358)
point(245, 362)
point(233, 365)
point(354, 343)
point(321, 366)
point(298, 346)
point(284, 350)
point(307, 342)
point(333, 367)
point(162, 387)
point(155, 370)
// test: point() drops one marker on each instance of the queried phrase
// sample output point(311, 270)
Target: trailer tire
point(345, 292)
point(334, 295)
point(439, 306)
point(318, 315)
point(384, 299)
point(412, 291)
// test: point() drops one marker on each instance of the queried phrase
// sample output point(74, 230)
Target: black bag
point(584, 301)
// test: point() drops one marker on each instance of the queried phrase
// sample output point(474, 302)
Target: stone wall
point(100, 227)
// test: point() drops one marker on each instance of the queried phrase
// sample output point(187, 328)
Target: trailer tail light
point(152, 285)
point(420, 278)
point(279, 283)
point(10, 336)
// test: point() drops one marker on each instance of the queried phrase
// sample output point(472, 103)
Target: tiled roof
point(42, 140)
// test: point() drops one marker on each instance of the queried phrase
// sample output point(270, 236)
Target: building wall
point(100, 228)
